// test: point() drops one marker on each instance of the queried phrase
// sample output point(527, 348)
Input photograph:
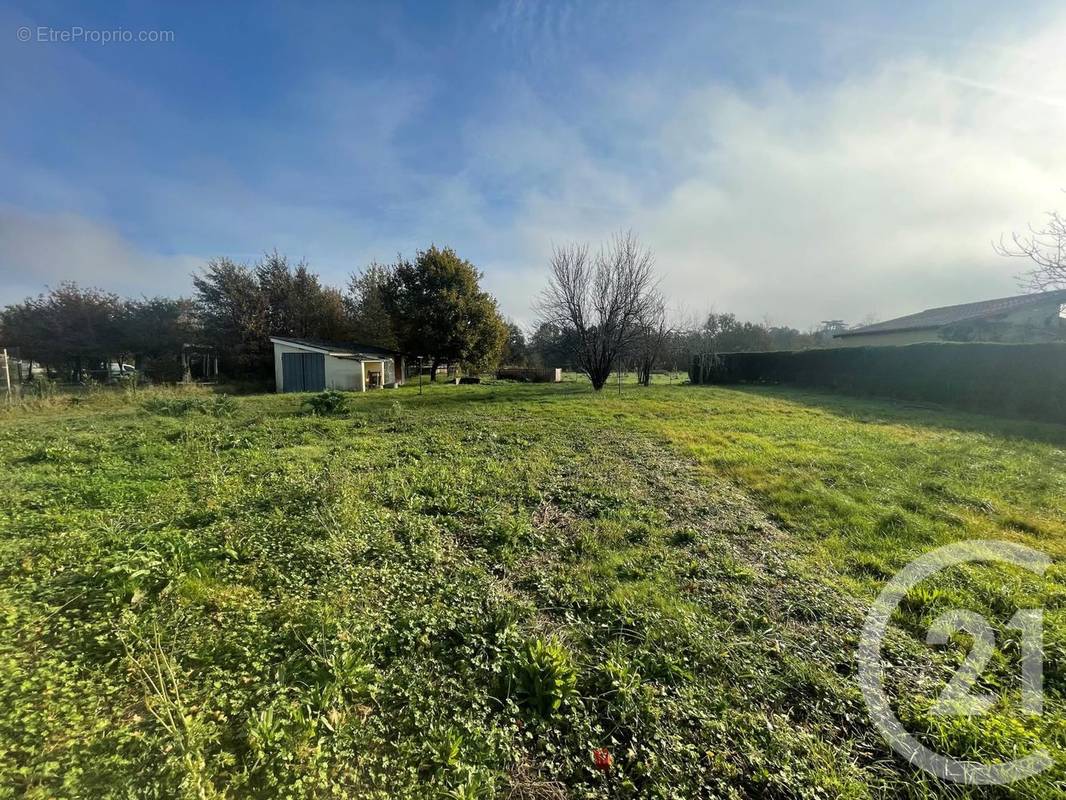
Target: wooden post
point(7, 376)
point(420, 374)
point(186, 367)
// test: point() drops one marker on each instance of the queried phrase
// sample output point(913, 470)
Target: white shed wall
point(344, 374)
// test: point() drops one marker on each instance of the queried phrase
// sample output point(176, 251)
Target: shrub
point(328, 402)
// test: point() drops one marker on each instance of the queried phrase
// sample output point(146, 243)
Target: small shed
point(313, 365)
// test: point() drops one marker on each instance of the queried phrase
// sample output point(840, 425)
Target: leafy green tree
point(368, 317)
point(783, 337)
point(331, 321)
point(69, 328)
point(153, 331)
point(234, 315)
point(438, 310)
point(296, 302)
point(551, 345)
point(241, 307)
point(515, 348)
point(726, 334)
point(24, 327)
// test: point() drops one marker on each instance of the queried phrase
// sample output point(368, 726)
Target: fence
point(1022, 380)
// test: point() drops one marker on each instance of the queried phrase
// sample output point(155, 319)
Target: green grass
point(464, 593)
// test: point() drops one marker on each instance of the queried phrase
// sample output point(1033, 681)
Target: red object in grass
point(602, 759)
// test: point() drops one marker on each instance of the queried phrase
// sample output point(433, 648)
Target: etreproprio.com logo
point(77, 34)
point(957, 697)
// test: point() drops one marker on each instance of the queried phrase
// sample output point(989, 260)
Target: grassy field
point(489, 591)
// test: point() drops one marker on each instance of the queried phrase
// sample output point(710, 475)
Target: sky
point(785, 162)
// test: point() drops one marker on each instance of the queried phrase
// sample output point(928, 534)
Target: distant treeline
point(71, 332)
point(432, 306)
point(552, 346)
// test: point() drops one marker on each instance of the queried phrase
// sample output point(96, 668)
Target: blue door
point(303, 372)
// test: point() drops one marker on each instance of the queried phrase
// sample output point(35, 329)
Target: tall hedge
point(1020, 380)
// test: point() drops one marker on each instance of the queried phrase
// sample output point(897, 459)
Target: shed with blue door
point(313, 365)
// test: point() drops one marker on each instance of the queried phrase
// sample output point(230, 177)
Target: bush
point(328, 402)
point(1022, 380)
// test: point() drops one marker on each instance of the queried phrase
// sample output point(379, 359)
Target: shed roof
point(948, 315)
point(341, 349)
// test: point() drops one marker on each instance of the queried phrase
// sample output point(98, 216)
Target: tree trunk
point(433, 370)
point(599, 377)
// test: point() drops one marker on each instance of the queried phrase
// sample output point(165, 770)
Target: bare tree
point(601, 299)
point(651, 337)
point(1045, 247)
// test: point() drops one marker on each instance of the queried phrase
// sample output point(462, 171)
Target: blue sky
point(841, 160)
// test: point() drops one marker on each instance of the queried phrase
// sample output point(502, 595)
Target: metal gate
point(303, 372)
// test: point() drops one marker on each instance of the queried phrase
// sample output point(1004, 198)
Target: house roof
point(342, 349)
point(948, 315)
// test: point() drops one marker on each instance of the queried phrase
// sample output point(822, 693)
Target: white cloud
point(875, 192)
point(879, 193)
point(43, 249)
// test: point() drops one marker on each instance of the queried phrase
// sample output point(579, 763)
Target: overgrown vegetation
point(501, 591)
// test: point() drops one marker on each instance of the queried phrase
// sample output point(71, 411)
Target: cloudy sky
point(795, 162)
